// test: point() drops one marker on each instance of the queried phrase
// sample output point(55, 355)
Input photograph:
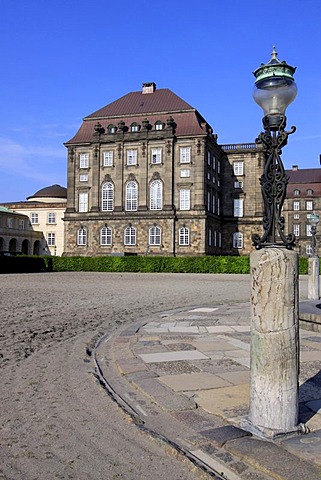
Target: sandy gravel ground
point(55, 421)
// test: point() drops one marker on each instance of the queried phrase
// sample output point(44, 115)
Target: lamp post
point(314, 264)
point(274, 90)
point(274, 271)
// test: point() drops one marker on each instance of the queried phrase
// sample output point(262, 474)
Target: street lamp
point(274, 90)
point(313, 220)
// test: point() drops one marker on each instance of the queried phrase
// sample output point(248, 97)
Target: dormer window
point(111, 129)
point(296, 192)
point(309, 191)
point(159, 125)
point(134, 127)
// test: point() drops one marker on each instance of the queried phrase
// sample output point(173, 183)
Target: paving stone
point(193, 381)
point(183, 329)
point(306, 446)
point(236, 378)
point(218, 366)
point(219, 329)
point(310, 356)
point(225, 401)
point(208, 345)
point(241, 328)
point(130, 366)
point(274, 460)
point(174, 368)
point(180, 347)
point(172, 356)
point(224, 434)
point(239, 344)
point(204, 310)
point(197, 420)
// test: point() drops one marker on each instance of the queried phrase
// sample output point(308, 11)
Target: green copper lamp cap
point(274, 68)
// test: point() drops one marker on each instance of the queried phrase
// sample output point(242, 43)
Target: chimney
point(149, 87)
point(295, 168)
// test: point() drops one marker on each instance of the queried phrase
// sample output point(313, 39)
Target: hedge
point(205, 264)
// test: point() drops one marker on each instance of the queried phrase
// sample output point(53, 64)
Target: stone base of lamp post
point(274, 390)
point(313, 278)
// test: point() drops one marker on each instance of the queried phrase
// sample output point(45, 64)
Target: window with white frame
point(186, 173)
point(185, 154)
point(237, 240)
point(296, 192)
point(214, 162)
point(218, 206)
point(296, 216)
point(296, 205)
point(308, 249)
point(309, 191)
point(208, 201)
point(218, 167)
point(155, 235)
point(156, 155)
point(51, 217)
point(83, 177)
point(107, 194)
point(213, 203)
point(131, 157)
point(308, 230)
point(159, 125)
point(238, 207)
point(134, 127)
point(106, 236)
point(210, 237)
point(84, 160)
point(296, 229)
point(156, 195)
point(83, 202)
point(309, 205)
point(108, 158)
point(238, 168)
point(51, 239)
point(238, 184)
point(183, 236)
point(130, 235)
point(10, 222)
point(208, 158)
point(131, 196)
point(82, 236)
point(34, 218)
point(184, 199)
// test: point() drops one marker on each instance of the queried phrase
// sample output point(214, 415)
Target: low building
point(17, 235)
point(45, 210)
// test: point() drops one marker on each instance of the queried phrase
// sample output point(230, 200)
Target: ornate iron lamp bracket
point(273, 184)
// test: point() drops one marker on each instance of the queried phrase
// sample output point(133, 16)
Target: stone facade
point(17, 235)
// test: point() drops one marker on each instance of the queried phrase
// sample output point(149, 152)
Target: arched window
point(183, 236)
point(156, 195)
point(155, 235)
point(237, 240)
point(130, 236)
point(134, 127)
point(82, 236)
point(159, 125)
point(107, 201)
point(111, 128)
point(131, 196)
point(106, 236)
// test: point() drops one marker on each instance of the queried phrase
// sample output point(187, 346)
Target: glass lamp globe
point(275, 87)
point(314, 219)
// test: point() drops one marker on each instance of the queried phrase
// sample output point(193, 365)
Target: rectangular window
point(237, 240)
point(83, 178)
point(51, 217)
point(238, 168)
point(308, 230)
point(309, 205)
point(185, 154)
point(219, 166)
point(185, 173)
point(296, 216)
point(51, 239)
point(214, 162)
point(83, 202)
point(21, 224)
point(296, 205)
point(238, 207)
point(131, 157)
point(34, 219)
point(84, 160)
point(156, 155)
point(10, 222)
point(296, 230)
point(208, 158)
point(108, 158)
point(308, 249)
point(184, 199)
point(238, 184)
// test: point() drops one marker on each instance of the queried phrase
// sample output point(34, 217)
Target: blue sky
point(63, 60)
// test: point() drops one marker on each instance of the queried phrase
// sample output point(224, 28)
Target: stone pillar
point(314, 279)
point(274, 387)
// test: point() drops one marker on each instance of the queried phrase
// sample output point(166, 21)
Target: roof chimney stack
point(295, 168)
point(149, 87)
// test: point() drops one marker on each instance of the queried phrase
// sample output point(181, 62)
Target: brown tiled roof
point(136, 107)
point(306, 175)
point(138, 103)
